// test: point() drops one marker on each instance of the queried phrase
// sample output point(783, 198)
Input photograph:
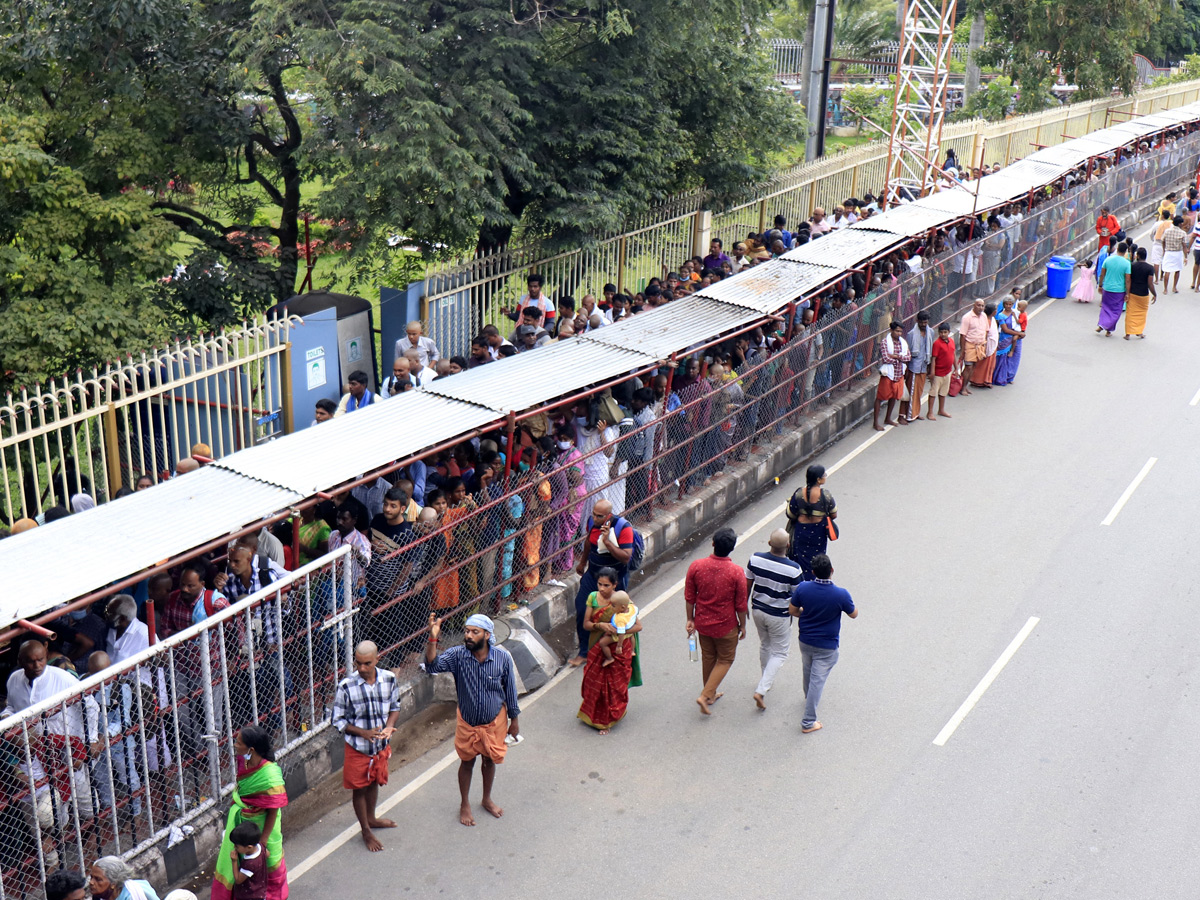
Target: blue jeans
point(817, 663)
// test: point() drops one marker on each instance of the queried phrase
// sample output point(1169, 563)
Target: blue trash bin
point(1058, 277)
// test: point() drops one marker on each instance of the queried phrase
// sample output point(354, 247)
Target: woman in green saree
point(258, 798)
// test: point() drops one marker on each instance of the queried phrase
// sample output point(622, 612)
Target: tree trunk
point(974, 44)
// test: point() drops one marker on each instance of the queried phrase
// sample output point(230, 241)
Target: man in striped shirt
point(485, 680)
point(770, 579)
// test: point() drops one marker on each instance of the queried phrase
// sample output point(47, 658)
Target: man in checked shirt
point(365, 710)
point(486, 683)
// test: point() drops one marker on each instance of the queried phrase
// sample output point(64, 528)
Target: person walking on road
point(485, 680)
point(365, 709)
point(819, 604)
point(715, 594)
point(1115, 283)
point(1142, 293)
point(1106, 226)
point(607, 545)
point(770, 579)
point(1173, 241)
point(809, 513)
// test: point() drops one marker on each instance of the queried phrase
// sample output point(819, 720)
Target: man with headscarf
point(485, 680)
point(365, 710)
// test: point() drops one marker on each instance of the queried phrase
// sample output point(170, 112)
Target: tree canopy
point(202, 133)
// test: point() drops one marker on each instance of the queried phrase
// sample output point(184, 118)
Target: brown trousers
point(716, 656)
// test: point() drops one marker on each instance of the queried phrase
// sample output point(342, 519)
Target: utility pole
point(818, 78)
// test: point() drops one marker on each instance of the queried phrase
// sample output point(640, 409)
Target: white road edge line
point(321, 854)
point(1045, 306)
point(973, 698)
point(1133, 486)
point(1195, 399)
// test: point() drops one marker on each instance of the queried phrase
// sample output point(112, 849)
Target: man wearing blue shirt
point(819, 604)
point(486, 683)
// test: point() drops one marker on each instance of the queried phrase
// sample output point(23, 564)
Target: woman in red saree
point(258, 798)
point(606, 688)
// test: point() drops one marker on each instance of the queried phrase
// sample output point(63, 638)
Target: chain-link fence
point(504, 525)
point(147, 743)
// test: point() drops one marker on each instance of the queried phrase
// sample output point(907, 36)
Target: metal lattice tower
point(919, 104)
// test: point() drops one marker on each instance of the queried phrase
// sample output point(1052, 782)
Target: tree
point(1091, 42)
point(75, 266)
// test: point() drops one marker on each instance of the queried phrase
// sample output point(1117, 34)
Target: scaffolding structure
point(919, 103)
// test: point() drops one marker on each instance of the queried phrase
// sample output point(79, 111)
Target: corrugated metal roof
point(527, 379)
point(845, 247)
point(959, 203)
point(908, 220)
point(676, 326)
point(316, 458)
point(83, 552)
point(768, 287)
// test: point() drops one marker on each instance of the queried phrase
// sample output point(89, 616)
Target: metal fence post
point(210, 715)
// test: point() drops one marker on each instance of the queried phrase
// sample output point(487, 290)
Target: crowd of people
point(452, 539)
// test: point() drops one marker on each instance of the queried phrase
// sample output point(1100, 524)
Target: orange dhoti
point(487, 740)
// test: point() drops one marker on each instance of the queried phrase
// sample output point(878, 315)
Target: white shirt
point(52, 681)
point(426, 348)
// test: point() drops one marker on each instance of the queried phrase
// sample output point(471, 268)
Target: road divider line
point(350, 832)
point(1133, 486)
point(1045, 306)
point(1195, 399)
point(973, 697)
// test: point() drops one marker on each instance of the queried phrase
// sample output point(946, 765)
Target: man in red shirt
point(943, 365)
point(1106, 226)
point(715, 594)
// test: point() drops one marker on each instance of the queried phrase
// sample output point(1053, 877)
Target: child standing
point(1085, 288)
point(249, 863)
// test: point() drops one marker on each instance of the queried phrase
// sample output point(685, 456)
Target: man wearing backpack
point(609, 544)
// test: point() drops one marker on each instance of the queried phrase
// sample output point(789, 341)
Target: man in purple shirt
point(716, 256)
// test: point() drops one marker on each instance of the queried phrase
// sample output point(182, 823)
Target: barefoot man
point(486, 683)
point(365, 710)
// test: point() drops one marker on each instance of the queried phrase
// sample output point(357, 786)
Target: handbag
point(832, 527)
point(956, 382)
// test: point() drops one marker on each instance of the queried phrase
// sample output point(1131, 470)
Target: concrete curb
point(536, 662)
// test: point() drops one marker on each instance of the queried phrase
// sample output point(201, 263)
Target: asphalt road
point(1077, 773)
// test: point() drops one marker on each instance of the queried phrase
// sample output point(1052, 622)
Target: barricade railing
point(145, 745)
point(479, 286)
point(92, 432)
point(496, 546)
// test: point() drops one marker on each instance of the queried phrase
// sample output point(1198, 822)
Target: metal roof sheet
point(676, 326)
point(318, 458)
point(527, 379)
point(770, 286)
point(1134, 128)
point(117, 539)
point(959, 203)
point(844, 248)
point(908, 220)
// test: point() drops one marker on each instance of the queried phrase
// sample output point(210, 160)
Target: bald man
point(608, 545)
point(770, 579)
point(185, 465)
point(67, 729)
point(365, 710)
